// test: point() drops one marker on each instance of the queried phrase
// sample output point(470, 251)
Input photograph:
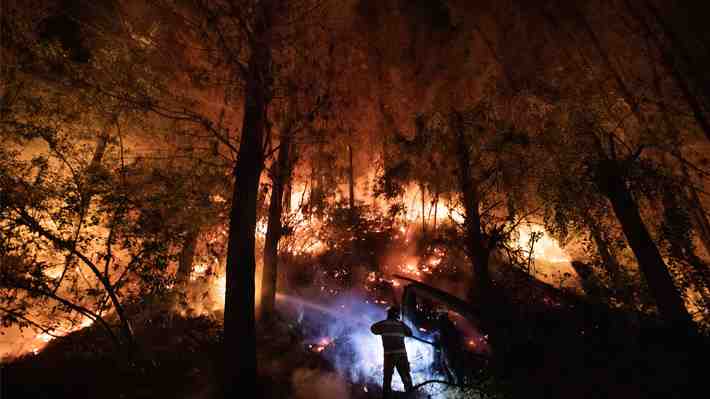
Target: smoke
point(340, 331)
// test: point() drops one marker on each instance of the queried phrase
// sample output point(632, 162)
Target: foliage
point(85, 230)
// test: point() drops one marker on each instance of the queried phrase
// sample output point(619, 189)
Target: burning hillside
point(257, 182)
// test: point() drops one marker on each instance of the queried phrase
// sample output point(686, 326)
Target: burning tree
point(252, 45)
point(134, 137)
point(64, 208)
point(484, 178)
point(88, 225)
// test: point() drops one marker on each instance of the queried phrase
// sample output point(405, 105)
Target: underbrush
point(174, 359)
point(177, 357)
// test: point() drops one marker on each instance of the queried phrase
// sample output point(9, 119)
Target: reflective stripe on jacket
point(393, 333)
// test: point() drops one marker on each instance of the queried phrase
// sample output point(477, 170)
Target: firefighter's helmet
point(393, 312)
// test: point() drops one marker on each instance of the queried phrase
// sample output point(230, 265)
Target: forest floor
point(177, 360)
point(561, 349)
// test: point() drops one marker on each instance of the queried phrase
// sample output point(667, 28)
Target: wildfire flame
point(42, 339)
point(545, 248)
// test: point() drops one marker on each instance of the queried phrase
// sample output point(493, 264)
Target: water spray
point(335, 314)
point(351, 347)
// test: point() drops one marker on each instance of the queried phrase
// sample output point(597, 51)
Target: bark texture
point(274, 228)
point(239, 368)
point(667, 297)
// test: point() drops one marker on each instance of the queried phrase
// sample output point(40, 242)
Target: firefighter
point(393, 332)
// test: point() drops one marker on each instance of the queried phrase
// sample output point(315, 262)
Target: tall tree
point(281, 172)
point(239, 320)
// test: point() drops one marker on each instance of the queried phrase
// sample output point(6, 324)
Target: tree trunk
point(288, 193)
point(273, 229)
point(611, 265)
point(668, 299)
point(239, 369)
point(660, 282)
point(478, 251)
point(187, 255)
point(610, 262)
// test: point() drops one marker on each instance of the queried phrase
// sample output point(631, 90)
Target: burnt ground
point(555, 345)
point(567, 350)
point(177, 360)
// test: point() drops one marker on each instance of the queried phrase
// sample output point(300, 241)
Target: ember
point(320, 345)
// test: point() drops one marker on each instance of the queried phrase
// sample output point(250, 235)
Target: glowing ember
point(321, 345)
point(217, 199)
point(198, 270)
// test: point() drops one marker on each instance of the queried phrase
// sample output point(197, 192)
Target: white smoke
point(343, 331)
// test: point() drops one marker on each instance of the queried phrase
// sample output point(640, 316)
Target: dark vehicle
point(463, 351)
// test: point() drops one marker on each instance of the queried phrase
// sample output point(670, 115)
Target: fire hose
point(424, 341)
point(427, 382)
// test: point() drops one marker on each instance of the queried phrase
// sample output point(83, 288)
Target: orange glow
point(42, 339)
point(545, 248)
point(198, 270)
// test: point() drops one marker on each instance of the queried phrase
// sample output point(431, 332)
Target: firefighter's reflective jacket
point(393, 333)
